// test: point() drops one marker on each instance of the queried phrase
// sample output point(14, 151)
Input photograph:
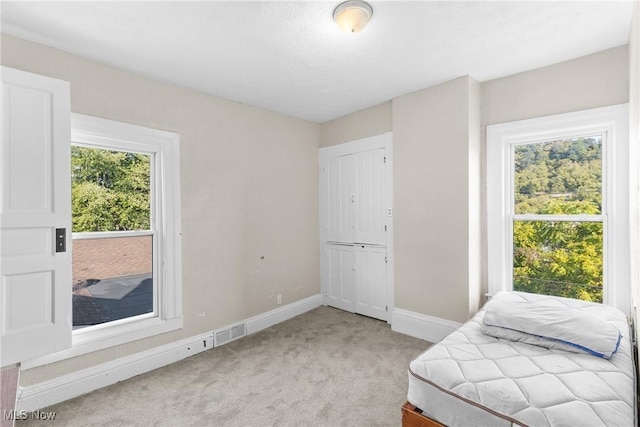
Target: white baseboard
point(75, 384)
point(273, 317)
point(430, 328)
point(38, 396)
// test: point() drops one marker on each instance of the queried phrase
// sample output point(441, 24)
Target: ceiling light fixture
point(352, 15)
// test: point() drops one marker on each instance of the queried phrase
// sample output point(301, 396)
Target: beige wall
point(238, 199)
point(432, 200)
point(592, 81)
point(361, 124)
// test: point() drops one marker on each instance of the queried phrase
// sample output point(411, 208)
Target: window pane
point(558, 258)
point(109, 190)
point(112, 279)
point(559, 177)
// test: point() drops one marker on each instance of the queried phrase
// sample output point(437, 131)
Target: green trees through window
point(110, 190)
point(553, 253)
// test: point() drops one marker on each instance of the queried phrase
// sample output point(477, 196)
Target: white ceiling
point(290, 57)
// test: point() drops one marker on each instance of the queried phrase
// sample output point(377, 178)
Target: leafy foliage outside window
point(554, 257)
point(110, 190)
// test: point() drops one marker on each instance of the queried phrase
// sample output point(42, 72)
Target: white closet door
point(35, 200)
point(370, 204)
point(337, 215)
point(338, 269)
point(371, 281)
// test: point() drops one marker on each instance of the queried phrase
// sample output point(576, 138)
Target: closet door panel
point(369, 209)
point(370, 281)
point(337, 212)
point(338, 276)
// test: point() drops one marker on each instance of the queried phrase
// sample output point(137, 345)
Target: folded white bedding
point(551, 327)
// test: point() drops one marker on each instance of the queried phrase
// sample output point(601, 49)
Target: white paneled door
point(355, 218)
point(355, 278)
point(338, 176)
point(371, 281)
point(338, 270)
point(354, 208)
point(369, 201)
point(35, 214)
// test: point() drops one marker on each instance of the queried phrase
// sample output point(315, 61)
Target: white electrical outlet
point(279, 299)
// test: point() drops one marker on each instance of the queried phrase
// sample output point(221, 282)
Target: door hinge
point(386, 308)
point(384, 159)
point(385, 260)
point(385, 228)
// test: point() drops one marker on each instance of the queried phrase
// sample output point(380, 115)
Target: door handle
point(61, 239)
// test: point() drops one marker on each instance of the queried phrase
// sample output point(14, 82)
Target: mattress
point(470, 378)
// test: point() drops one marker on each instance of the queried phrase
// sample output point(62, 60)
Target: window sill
point(99, 339)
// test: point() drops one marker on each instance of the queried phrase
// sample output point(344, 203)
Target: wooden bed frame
point(413, 417)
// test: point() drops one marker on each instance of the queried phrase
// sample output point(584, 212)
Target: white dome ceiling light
point(352, 15)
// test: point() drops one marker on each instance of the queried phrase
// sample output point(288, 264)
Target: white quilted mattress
point(470, 378)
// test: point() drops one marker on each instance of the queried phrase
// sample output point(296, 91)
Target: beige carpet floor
point(323, 368)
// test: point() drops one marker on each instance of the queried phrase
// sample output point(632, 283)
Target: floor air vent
point(226, 335)
point(237, 331)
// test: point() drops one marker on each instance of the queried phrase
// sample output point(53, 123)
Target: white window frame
point(164, 147)
point(610, 122)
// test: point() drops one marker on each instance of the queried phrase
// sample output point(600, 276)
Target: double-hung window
point(125, 197)
point(557, 198)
